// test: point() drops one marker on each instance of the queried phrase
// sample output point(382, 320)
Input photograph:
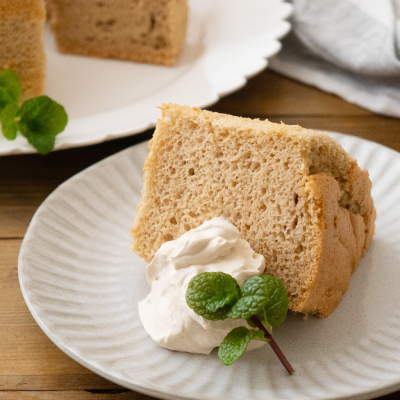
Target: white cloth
point(347, 47)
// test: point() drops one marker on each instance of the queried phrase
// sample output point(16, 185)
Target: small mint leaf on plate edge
point(42, 115)
point(9, 126)
point(42, 142)
point(41, 119)
point(5, 99)
point(10, 83)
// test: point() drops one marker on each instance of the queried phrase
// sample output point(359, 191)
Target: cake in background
point(21, 44)
point(150, 31)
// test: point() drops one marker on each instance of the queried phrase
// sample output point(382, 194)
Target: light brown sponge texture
point(21, 44)
point(294, 194)
point(150, 31)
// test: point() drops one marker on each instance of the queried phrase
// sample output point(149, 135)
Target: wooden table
point(31, 366)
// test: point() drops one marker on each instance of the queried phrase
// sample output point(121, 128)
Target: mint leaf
point(9, 126)
point(263, 296)
point(254, 297)
point(212, 294)
point(235, 344)
point(11, 84)
point(42, 115)
point(5, 98)
point(274, 313)
point(41, 119)
point(42, 142)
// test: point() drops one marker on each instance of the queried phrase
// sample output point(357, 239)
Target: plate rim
point(140, 385)
point(214, 95)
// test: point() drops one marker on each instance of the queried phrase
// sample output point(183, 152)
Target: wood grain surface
point(31, 366)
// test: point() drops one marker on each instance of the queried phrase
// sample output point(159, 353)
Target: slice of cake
point(294, 194)
point(21, 45)
point(151, 31)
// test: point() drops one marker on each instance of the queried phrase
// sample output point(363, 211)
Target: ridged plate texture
point(227, 41)
point(82, 286)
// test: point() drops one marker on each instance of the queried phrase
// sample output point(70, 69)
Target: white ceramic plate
point(82, 286)
point(227, 42)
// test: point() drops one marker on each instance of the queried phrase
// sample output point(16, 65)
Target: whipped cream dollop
point(214, 246)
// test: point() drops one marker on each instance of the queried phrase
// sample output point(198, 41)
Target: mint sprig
point(38, 119)
point(263, 302)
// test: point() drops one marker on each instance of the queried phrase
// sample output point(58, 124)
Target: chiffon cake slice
point(294, 194)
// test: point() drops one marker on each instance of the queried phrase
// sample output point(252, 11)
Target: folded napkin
point(347, 47)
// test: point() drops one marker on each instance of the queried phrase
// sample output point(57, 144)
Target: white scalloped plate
point(82, 286)
point(227, 42)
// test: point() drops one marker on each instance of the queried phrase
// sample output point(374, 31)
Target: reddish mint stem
point(274, 345)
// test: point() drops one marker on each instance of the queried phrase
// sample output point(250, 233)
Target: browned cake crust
point(294, 194)
point(21, 45)
point(150, 31)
